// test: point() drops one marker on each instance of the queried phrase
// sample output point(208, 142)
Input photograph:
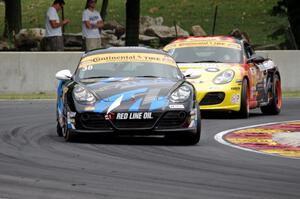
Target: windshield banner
point(204, 43)
point(126, 57)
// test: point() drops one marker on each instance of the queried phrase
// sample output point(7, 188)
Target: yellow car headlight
point(224, 77)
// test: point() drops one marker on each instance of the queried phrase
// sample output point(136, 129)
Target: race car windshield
point(128, 69)
point(206, 54)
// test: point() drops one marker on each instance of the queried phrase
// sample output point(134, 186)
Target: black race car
point(127, 91)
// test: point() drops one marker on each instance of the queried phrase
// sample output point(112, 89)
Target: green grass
point(42, 95)
point(291, 94)
point(250, 16)
point(17, 96)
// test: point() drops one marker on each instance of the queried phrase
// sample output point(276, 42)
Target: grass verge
point(291, 94)
point(42, 95)
point(23, 96)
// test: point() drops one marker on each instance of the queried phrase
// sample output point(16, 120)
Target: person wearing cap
point(91, 25)
point(53, 37)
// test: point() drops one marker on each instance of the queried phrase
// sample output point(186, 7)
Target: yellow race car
point(228, 75)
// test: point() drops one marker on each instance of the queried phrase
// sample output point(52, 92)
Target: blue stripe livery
point(160, 102)
point(111, 79)
point(136, 105)
point(60, 104)
point(101, 106)
point(104, 104)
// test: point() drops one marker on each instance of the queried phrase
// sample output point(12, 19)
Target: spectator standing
point(91, 25)
point(53, 40)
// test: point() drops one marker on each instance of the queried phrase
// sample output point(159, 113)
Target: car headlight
point(83, 96)
point(181, 94)
point(224, 77)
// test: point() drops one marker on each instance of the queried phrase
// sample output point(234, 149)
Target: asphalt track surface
point(35, 163)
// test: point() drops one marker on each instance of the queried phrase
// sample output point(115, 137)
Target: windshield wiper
point(182, 62)
point(95, 77)
point(207, 61)
point(151, 76)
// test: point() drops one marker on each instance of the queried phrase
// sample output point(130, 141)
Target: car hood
point(131, 94)
point(206, 71)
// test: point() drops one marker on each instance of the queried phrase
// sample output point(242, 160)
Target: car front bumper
point(222, 98)
point(137, 131)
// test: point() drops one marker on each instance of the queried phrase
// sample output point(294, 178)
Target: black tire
point(193, 139)
point(58, 127)
point(68, 136)
point(59, 130)
point(274, 106)
point(244, 109)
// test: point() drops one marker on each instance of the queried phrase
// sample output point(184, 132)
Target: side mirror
point(63, 75)
point(192, 74)
point(256, 59)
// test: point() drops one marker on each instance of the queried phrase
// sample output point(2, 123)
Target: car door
point(252, 75)
point(258, 78)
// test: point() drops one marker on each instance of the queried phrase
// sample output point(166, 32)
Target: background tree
point(104, 9)
point(132, 22)
point(13, 17)
point(290, 8)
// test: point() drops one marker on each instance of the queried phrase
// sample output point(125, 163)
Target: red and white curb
point(277, 138)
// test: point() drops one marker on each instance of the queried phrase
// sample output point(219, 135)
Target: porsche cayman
point(228, 75)
point(127, 91)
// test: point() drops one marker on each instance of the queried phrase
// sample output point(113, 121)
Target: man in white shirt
point(53, 38)
point(91, 23)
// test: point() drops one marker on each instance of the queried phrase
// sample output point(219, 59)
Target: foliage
point(132, 22)
point(252, 17)
point(291, 9)
point(13, 17)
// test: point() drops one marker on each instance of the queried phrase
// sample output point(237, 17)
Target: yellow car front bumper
point(220, 97)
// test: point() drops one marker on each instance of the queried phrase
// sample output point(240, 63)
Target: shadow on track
point(124, 140)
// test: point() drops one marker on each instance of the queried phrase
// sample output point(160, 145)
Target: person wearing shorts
point(91, 25)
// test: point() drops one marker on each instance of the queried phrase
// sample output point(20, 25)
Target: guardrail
point(30, 72)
